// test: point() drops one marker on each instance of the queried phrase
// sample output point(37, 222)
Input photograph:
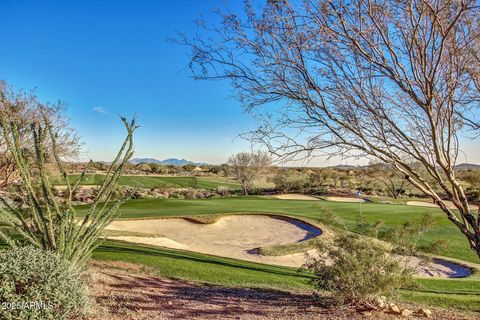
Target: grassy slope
point(157, 181)
point(458, 293)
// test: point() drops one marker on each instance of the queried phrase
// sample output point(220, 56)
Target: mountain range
point(168, 162)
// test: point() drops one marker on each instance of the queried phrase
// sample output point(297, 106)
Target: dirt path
point(126, 292)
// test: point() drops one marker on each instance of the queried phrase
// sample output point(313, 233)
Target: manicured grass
point(209, 183)
point(463, 294)
point(392, 215)
point(204, 268)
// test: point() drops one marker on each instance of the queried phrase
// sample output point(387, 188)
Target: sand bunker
point(231, 236)
point(449, 204)
point(295, 196)
point(345, 199)
point(237, 236)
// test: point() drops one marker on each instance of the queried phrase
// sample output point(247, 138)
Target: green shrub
point(38, 284)
point(354, 270)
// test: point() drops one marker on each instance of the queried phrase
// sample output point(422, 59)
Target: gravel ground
point(127, 291)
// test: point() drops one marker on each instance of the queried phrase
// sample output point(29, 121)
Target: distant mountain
point(168, 162)
point(467, 166)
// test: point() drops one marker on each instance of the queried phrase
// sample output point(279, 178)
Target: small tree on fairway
point(246, 167)
point(44, 220)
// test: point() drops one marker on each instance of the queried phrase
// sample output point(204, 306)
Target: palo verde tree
point(392, 80)
point(46, 220)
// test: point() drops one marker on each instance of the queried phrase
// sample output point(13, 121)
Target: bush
point(38, 284)
point(356, 270)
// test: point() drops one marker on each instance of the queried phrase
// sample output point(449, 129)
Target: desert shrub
point(434, 247)
point(354, 270)
point(406, 238)
point(38, 284)
point(289, 180)
point(223, 191)
point(330, 218)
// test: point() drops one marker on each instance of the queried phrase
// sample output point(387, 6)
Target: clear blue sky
point(112, 57)
point(106, 58)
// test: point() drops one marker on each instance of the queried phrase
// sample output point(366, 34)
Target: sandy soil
point(345, 199)
point(295, 196)
point(236, 235)
point(429, 204)
point(230, 236)
point(125, 291)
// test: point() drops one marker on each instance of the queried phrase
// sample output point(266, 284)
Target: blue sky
point(112, 57)
point(106, 58)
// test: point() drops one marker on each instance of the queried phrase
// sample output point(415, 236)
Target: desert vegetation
point(391, 86)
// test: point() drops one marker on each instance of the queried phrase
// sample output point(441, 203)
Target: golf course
point(462, 293)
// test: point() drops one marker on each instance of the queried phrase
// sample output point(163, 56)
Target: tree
point(28, 110)
point(393, 182)
point(246, 167)
point(288, 180)
point(45, 220)
point(396, 81)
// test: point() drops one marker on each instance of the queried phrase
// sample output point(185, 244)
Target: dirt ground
point(124, 291)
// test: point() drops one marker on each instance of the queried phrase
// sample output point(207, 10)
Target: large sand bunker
point(237, 236)
point(230, 236)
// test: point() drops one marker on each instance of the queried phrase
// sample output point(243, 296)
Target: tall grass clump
point(44, 219)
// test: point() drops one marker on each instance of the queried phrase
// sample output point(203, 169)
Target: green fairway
point(392, 215)
point(209, 183)
point(455, 293)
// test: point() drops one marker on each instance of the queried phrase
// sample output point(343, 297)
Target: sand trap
point(345, 199)
point(449, 204)
point(230, 236)
point(237, 236)
point(295, 196)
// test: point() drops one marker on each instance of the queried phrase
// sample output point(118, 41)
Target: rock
point(406, 312)
point(425, 312)
point(170, 303)
point(394, 309)
point(380, 302)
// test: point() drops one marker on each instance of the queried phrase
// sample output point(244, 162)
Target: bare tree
point(393, 182)
point(246, 167)
point(27, 110)
point(393, 80)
